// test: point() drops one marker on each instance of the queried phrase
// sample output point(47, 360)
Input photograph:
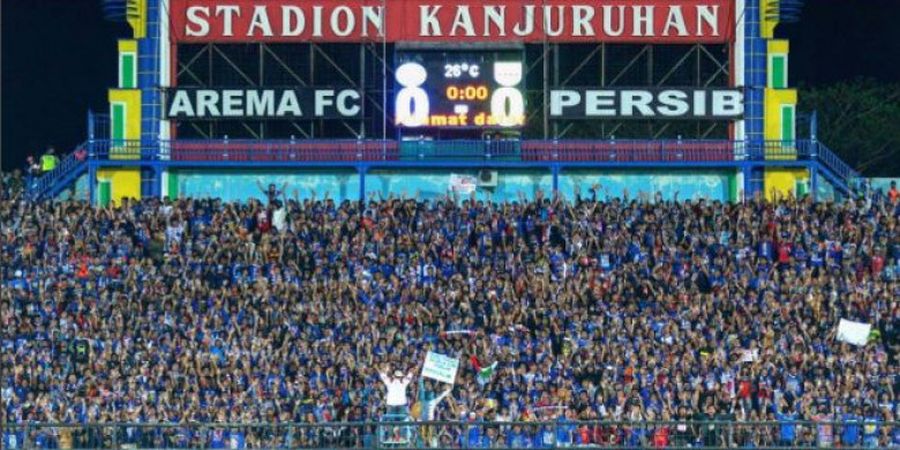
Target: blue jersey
point(236, 440)
point(42, 441)
point(517, 439)
point(545, 438)
point(851, 430)
point(788, 430)
point(472, 439)
point(12, 440)
point(217, 439)
point(564, 432)
point(870, 429)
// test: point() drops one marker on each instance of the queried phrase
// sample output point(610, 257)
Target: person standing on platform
point(396, 390)
point(49, 161)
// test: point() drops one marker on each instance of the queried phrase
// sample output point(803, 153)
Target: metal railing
point(845, 434)
point(625, 152)
point(830, 160)
point(39, 184)
point(662, 151)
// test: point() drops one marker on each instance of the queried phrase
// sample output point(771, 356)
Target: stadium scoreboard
point(459, 89)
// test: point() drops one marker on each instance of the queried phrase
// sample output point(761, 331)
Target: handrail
point(561, 433)
point(833, 162)
point(483, 423)
point(286, 151)
point(39, 185)
point(650, 150)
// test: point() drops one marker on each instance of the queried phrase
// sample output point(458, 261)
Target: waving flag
point(486, 373)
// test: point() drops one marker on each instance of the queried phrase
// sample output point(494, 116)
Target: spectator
point(49, 160)
point(199, 310)
point(396, 391)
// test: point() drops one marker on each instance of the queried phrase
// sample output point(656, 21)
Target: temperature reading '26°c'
point(461, 70)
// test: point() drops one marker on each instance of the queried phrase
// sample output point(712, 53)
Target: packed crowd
point(293, 310)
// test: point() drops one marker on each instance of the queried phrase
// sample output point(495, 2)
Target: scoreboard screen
point(459, 89)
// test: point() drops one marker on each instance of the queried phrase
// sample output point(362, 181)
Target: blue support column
point(362, 169)
point(148, 81)
point(754, 78)
point(156, 187)
point(748, 185)
point(758, 180)
point(147, 175)
point(92, 183)
point(90, 125)
point(555, 170)
point(814, 181)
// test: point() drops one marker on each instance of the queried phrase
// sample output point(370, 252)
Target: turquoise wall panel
point(825, 191)
point(884, 184)
point(436, 184)
point(433, 184)
point(694, 185)
point(242, 185)
point(79, 191)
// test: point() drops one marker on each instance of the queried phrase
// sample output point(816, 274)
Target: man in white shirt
point(396, 391)
point(279, 216)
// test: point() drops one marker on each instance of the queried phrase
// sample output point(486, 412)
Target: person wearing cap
point(395, 398)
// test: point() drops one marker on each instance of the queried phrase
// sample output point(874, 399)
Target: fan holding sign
point(439, 368)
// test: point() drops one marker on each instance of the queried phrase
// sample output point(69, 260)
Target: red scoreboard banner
point(565, 21)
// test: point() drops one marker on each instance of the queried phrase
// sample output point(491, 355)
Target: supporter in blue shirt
point(788, 428)
point(850, 428)
point(626, 302)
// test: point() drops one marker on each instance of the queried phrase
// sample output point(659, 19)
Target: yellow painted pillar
point(124, 127)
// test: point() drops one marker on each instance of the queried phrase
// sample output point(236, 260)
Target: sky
point(58, 59)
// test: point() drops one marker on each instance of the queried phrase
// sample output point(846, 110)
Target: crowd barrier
point(844, 434)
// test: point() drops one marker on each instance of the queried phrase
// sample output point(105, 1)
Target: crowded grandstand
point(407, 224)
point(199, 311)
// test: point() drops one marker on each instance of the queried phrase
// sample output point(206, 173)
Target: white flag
point(851, 332)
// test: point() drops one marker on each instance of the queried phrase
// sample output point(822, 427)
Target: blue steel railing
point(662, 151)
point(68, 166)
point(625, 152)
point(832, 432)
point(843, 170)
point(615, 151)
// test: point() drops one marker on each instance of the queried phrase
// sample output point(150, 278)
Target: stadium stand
point(203, 312)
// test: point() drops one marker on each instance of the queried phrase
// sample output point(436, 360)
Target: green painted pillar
point(104, 192)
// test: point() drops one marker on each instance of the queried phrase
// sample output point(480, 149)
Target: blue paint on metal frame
point(148, 79)
point(786, 11)
point(115, 10)
point(754, 73)
point(556, 158)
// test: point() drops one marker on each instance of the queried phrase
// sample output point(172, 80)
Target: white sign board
point(463, 184)
point(749, 355)
point(439, 367)
point(851, 332)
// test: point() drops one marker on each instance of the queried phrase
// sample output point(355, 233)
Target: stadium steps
point(835, 170)
point(839, 184)
point(52, 183)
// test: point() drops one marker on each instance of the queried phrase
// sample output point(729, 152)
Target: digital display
point(459, 89)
